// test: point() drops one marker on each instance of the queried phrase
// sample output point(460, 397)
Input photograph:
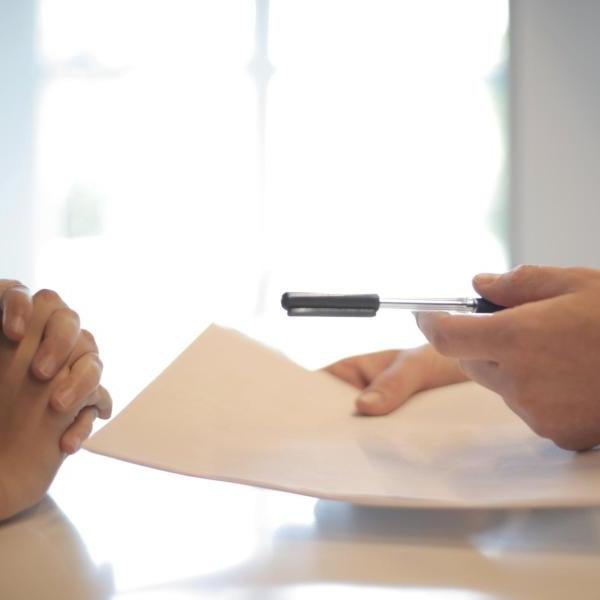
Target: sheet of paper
point(228, 408)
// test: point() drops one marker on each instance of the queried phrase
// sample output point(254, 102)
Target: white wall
point(555, 147)
point(17, 93)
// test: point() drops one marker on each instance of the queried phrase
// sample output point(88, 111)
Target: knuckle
point(521, 274)
point(8, 284)
point(47, 296)
point(73, 315)
point(65, 317)
point(16, 301)
point(16, 287)
point(95, 368)
point(88, 339)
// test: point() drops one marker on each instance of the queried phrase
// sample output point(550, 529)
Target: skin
point(51, 357)
point(60, 336)
point(541, 354)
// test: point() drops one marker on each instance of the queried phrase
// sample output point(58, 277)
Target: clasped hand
point(50, 391)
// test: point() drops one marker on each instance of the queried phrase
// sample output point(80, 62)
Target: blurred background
point(168, 164)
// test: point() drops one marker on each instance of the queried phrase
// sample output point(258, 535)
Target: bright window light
point(197, 159)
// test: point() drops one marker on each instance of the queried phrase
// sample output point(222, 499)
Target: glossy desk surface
point(115, 530)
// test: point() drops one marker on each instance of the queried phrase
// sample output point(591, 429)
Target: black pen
point(300, 304)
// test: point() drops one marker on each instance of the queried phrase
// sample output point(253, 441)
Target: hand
point(541, 355)
point(61, 334)
point(30, 428)
point(388, 379)
point(63, 339)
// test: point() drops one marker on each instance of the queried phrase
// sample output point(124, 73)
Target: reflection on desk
point(134, 533)
point(43, 556)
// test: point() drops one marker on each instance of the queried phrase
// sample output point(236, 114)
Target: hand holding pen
point(541, 356)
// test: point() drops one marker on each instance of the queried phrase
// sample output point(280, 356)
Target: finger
point(86, 344)
point(526, 283)
point(348, 371)
point(58, 340)
point(16, 307)
point(485, 372)
point(83, 379)
point(79, 430)
point(360, 370)
point(461, 336)
point(103, 402)
point(390, 389)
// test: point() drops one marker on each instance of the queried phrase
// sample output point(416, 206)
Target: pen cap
point(330, 305)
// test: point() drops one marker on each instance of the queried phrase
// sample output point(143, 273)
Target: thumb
point(526, 283)
point(389, 390)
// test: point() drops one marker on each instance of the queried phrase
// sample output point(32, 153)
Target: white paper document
point(231, 409)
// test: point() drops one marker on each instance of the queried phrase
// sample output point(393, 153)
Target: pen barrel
point(457, 305)
point(298, 304)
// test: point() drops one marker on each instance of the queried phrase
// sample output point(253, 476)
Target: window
point(196, 159)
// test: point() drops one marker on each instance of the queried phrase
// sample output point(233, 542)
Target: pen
point(299, 304)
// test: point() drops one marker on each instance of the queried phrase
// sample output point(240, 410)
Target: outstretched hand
point(541, 354)
point(387, 379)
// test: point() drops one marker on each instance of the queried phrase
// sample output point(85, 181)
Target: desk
point(114, 530)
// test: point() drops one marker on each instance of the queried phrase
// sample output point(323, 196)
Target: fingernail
point(64, 397)
point(46, 366)
point(18, 325)
point(371, 398)
point(485, 278)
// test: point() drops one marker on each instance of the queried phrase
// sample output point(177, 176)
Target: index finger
point(16, 307)
point(471, 337)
